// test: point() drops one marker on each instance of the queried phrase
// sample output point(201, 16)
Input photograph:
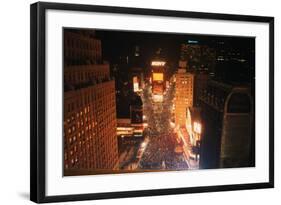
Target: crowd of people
point(160, 154)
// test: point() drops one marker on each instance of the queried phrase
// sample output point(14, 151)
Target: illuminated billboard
point(135, 84)
point(158, 77)
point(158, 63)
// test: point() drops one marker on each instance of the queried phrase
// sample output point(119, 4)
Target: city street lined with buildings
point(178, 104)
point(160, 152)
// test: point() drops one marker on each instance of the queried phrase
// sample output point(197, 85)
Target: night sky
point(122, 43)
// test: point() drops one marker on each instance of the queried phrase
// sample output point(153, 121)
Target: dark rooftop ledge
point(93, 82)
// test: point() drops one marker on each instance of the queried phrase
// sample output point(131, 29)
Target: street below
point(160, 151)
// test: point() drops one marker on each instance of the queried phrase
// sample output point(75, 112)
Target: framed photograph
point(129, 102)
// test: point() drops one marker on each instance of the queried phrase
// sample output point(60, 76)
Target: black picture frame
point(38, 101)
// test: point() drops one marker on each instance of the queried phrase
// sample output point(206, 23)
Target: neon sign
point(158, 63)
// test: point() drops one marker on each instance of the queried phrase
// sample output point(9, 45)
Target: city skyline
point(148, 101)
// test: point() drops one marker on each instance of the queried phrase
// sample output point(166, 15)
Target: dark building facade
point(227, 121)
point(235, 61)
point(136, 110)
point(198, 56)
point(200, 84)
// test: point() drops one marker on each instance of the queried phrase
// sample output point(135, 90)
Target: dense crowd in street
point(160, 152)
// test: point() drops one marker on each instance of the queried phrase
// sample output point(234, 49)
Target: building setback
point(90, 142)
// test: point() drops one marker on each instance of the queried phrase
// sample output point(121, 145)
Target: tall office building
point(90, 142)
point(184, 95)
point(227, 121)
point(198, 56)
point(81, 48)
point(197, 59)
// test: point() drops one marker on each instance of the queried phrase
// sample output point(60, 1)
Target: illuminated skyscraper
point(184, 95)
point(90, 142)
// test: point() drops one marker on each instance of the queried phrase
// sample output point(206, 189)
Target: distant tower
point(137, 51)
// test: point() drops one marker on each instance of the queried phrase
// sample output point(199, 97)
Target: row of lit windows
point(105, 127)
point(78, 114)
point(82, 54)
point(95, 50)
point(86, 122)
point(100, 142)
point(101, 97)
point(76, 162)
point(102, 163)
point(79, 41)
point(105, 153)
